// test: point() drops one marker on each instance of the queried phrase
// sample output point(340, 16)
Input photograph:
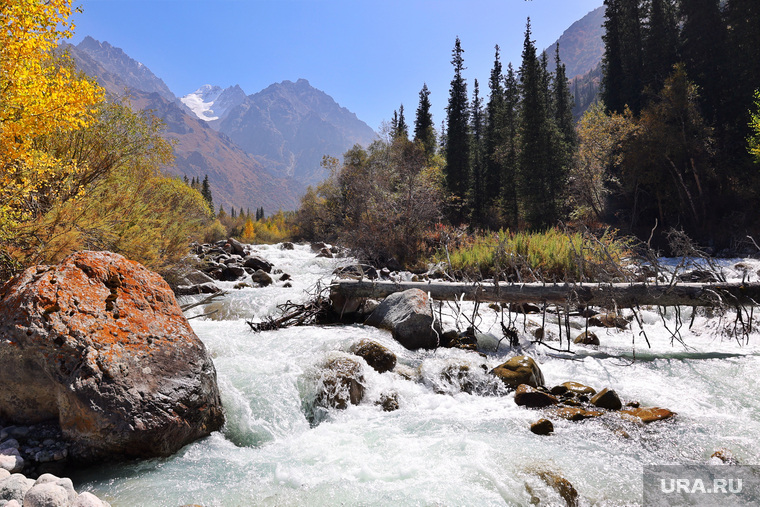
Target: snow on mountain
point(212, 102)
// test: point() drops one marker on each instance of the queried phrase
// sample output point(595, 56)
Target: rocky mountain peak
point(133, 74)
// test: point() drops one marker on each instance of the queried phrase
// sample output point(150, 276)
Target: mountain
point(581, 49)
point(580, 46)
point(236, 178)
point(293, 125)
point(121, 69)
point(212, 103)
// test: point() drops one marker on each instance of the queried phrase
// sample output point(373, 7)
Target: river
point(442, 446)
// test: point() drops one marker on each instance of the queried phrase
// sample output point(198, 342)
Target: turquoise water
point(443, 446)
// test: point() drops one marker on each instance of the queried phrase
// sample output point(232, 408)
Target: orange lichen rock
point(100, 343)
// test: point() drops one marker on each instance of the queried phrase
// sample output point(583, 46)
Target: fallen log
point(623, 295)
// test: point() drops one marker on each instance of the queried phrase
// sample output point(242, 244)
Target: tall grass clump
point(552, 255)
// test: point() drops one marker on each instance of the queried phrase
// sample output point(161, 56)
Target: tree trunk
point(624, 295)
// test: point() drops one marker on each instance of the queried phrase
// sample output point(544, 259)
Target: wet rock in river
point(409, 317)
point(587, 338)
point(379, 357)
point(578, 388)
point(527, 396)
point(542, 427)
point(261, 278)
point(232, 273)
point(607, 398)
point(575, 413)
point(341, 383)
point(389, 402)
point(609, 320)
point(647, 415)
point(519, 370)
point(255, 262)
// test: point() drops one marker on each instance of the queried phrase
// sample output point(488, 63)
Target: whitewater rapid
point(442, 446)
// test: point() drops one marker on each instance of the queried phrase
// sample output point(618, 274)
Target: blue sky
point(370, 56)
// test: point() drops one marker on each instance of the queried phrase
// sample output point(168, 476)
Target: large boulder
point(409, 317)
point(99, 344)
point(519, 370)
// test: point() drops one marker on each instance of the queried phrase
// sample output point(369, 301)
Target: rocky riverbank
point(47, 490)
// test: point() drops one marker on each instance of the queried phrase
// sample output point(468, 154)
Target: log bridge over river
point(608, 295)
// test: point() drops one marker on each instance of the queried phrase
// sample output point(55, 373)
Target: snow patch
point(201, 101)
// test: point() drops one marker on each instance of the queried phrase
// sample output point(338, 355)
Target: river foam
point(449, 443)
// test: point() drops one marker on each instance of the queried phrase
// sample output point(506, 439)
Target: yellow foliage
point(40, 95)
point(754, 140)
point(249, 234)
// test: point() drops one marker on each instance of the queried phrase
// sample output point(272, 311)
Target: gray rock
point(201, 288)
point(18, 431)
point(15, 487)
point(256, 262)
point(47, 494)
point(87, 499)
point(11, 460)
point(12, 503)
point(4, 473)
point(190, 276)
point(236, 246)
point(232, 273)
point(62, 482)
point(409, 317)
point(262, 278)
point(11, 443)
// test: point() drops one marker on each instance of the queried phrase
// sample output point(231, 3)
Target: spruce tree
point(206, 193)
point(494, 133)
point(703, 47)
point(509, 150)
point(534, 158)
point(660, 45)
point(424, 132)
point(612, 64)
point(563, 104)
point(622, 62)
point(476, 193)
point(631, 47)
point(402, 130)
point(457, 132)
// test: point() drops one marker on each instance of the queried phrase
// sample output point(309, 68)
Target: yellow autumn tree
point(41, 94)
point(249, 234)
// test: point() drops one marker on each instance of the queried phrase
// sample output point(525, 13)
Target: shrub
point(553, 255)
